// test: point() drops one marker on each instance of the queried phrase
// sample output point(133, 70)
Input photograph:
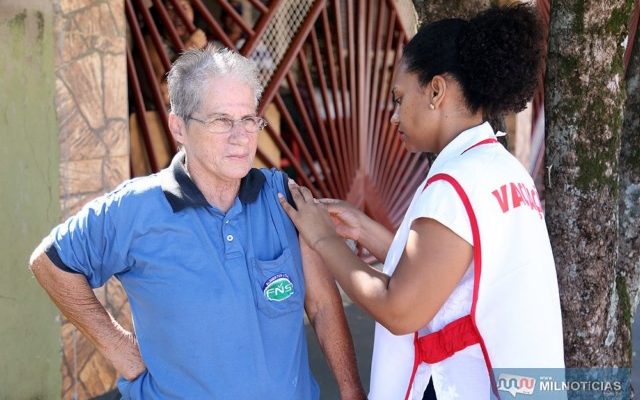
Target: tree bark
point(429, 11)
point(629, 204)
point(585, 97)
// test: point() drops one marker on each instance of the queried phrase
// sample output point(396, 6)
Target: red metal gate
point(332, 63)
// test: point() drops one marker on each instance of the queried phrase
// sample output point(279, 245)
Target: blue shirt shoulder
point(93, 242)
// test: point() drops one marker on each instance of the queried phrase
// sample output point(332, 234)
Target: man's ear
point(438, 88)
point(178, 128)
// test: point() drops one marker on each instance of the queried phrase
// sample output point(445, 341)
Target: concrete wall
point(29, 199)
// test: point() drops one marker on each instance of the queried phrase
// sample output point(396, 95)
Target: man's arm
point(74, 297)
point(326, 314)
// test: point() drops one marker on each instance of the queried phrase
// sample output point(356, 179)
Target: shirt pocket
point(278, 286)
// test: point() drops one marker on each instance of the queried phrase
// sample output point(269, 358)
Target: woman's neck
point(455, 124)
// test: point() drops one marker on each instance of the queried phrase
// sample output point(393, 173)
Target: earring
point(431, 106)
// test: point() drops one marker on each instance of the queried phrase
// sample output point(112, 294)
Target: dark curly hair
point(496, 56)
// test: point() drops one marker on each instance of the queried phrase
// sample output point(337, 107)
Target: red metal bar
point(336, 172)
point(374, 205)
point(215, 27)
point(297, 137)
point(228, 8)
point(385, 87)
point(397, 152)
point(633, 31)
point(353, 90)
point(260, 27)
point(372, 56)
point(329, 140)
point(294, 48)
point(397, 213)
point(265, 160)
point(330, 175)
point(393, 4)
point(357, 153)
point(178, 10)
point(340, 143)
point(416, 179)
point(374, 106)
point(168, 25)
point(348, 106)
point(404, 172)
point(302, 176)
point(155, 35)
point(359, 141)
point(260, 5)
point(401, 200)
point(382, 95)
point(389, 131)
point(392, 160)
point(338, 104)
point(401, 171)
point(134, 85)
point(149, 73)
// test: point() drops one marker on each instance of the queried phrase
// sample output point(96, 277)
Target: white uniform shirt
point(459, 377)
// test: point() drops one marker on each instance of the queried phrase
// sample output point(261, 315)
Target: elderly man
point(211, 264)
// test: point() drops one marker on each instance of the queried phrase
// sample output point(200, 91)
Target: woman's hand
point(346, 218)
point(311, 217)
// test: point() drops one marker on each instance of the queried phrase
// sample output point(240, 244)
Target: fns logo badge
point(278, 288)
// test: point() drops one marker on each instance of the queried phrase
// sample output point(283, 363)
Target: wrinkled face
point(222, 156)
point(415, 120)
point(181, 28)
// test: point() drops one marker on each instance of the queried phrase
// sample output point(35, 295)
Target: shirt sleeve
point(88, 242)
point(439, 201)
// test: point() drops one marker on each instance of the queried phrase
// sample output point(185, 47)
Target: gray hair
point(191, 71)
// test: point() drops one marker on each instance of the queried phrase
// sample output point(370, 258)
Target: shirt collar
point(181, 192)
point(463, 141)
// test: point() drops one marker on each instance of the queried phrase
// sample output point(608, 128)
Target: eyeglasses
point(250, 124)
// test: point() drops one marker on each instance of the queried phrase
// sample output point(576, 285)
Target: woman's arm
point(352, 223)
point(376, 238)
point(433, 262)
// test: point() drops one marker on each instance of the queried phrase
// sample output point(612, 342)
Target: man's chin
point(238, 172)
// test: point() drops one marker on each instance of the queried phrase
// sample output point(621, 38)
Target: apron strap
point(461, 333)
point(440, 345)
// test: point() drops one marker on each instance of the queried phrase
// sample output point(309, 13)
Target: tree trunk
point(629, 225)
point(429, 11)
point(585, 97)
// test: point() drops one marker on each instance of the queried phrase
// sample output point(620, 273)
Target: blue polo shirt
point(217, 299)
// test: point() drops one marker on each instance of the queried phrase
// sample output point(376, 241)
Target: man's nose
point(239, 135)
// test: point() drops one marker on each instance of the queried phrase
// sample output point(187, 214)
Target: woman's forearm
point(375, 237)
